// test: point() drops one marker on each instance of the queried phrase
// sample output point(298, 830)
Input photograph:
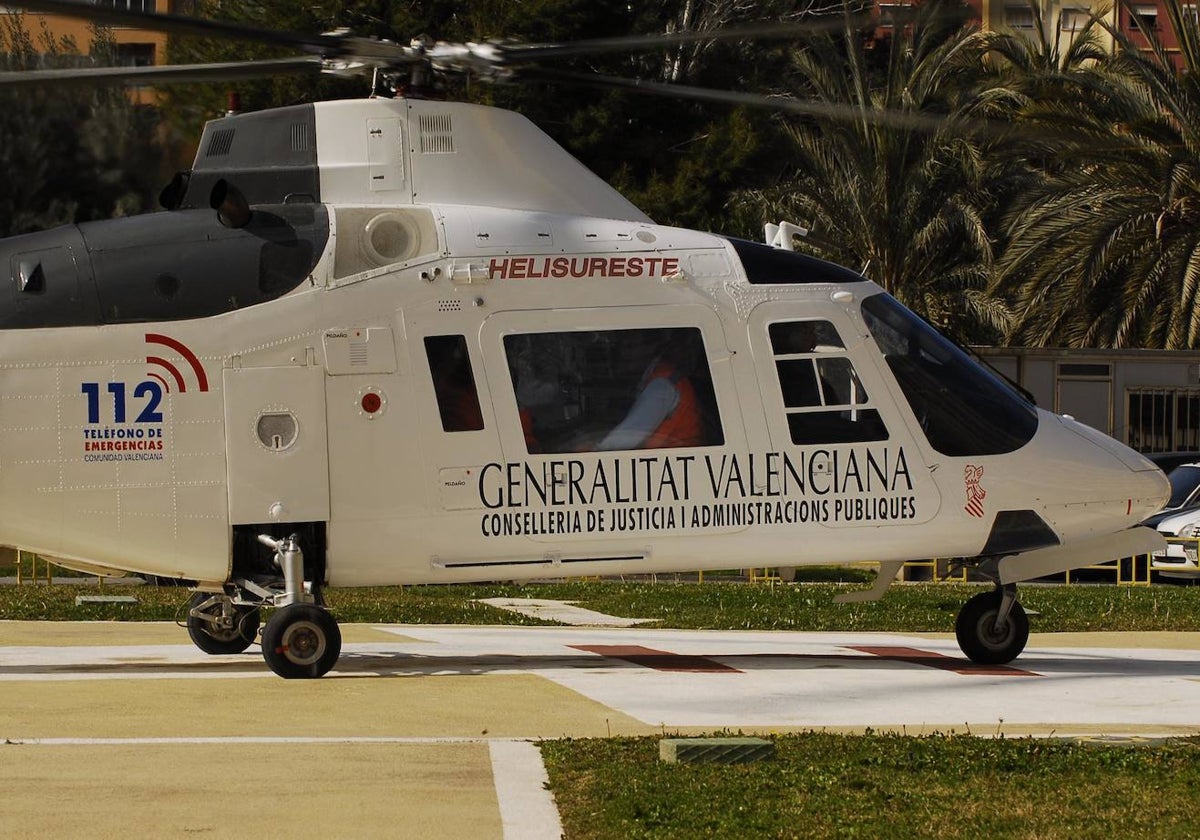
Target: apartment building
point(1066, 17)
point(135, 47)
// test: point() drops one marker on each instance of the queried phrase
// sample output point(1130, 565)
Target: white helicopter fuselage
point(145, 446)
point(92, 469)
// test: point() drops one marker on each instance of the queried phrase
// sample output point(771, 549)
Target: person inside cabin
point(544, 398)
point(666, 412)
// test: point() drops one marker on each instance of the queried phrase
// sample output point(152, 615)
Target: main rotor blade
point(831, 110)
point(516, 53)
point(165, 73)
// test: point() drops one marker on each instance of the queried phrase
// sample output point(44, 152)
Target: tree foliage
point(904, 203)
point(1105, 249)
point(1049, 193)
point(69, 154)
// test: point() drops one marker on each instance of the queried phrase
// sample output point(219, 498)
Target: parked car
point(1185, 492)
point(1167, 461)
point(1179, 560)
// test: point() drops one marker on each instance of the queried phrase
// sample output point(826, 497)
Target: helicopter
point(400, 341)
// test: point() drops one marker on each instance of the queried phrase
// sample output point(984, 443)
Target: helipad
point(419, 730)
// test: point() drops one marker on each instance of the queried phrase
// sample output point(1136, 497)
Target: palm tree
point(901, 200)
point(1034, 63)
point(1105, 249)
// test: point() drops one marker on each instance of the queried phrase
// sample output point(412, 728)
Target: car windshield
point(1184, 481)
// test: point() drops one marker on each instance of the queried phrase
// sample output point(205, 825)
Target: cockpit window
point(765, 264)
point(962, 407)
point(822, 396)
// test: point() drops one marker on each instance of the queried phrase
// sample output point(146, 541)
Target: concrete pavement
point(420, 729)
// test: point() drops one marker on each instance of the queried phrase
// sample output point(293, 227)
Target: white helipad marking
point(816, 679)
point(768, 680)
point(527, 809)
point(562, 611)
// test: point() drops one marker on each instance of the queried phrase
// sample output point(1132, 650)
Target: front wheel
point(978, 636)
point(301, 641)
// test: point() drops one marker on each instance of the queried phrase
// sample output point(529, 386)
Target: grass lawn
point(711, 605)
point(825, 785)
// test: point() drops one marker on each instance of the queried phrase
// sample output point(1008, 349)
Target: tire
point(975, 630)
point(217, 641)
point(301, 641)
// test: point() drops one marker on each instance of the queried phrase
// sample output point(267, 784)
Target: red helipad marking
point(663, 660)
point(659, 660)
point(941, 661)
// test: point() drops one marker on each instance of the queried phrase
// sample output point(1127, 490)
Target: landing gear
point(217, 625)
point(992, 627)
point(301, 641)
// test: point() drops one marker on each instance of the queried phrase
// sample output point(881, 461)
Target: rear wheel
point(978, 636)
point(224, 634)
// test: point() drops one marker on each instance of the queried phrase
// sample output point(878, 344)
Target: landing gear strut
point(992, 627)
point(301, 640)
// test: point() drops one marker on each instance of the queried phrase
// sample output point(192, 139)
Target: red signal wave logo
point(169, 367)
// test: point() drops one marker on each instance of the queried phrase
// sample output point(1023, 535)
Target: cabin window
point(962, 407)
point(454, 383)
point(608, 390)
point(822, 396)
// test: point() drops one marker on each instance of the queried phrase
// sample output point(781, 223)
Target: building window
point(1085, 370)
point(128, 5)
point(135, 55)
point(1164, 419)
point(606, 390)
point(822, 396)
point(1075, 20)
point(896, 14)
point(1018, 17)
point(454, 383)
point(1144, 17)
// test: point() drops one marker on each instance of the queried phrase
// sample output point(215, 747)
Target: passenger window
point(608, 390)
point(822, 396)
point(454, 383)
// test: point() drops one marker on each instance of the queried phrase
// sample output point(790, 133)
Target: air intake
point(300, 137)
point(437, 134)
point(221, 143)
